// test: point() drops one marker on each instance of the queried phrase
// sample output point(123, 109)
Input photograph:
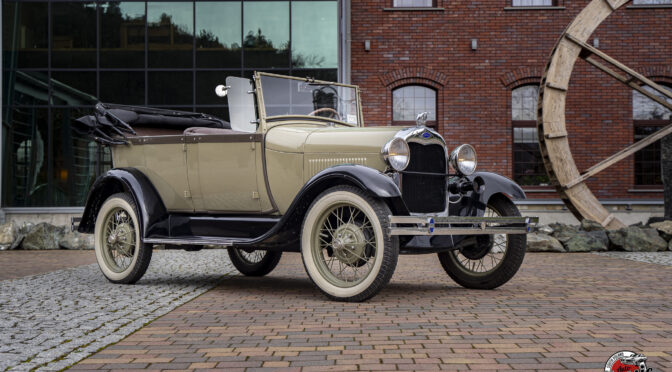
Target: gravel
point(51, 321)
point(660, 258)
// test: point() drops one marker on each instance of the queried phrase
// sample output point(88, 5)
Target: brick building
point(479, 62)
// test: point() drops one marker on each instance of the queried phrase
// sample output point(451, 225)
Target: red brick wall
point(474, 87)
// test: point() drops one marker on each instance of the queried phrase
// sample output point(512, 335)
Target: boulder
point(590, 225)
point(537, 242)
point(8, 234)
point(545, 229)
point(636, 239)
point(664, 229)
point(75, 240)
point(564, 232)
point(43, 236)
point(593, 241)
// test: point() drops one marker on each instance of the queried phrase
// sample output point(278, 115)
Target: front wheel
point(121, 255)
point(493, 259)
point(252, 262)
point(345, 245)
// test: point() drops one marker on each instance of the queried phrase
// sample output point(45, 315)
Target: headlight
point(463, 159)
point(397, 154)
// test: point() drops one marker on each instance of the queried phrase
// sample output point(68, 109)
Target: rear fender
point(152, 212)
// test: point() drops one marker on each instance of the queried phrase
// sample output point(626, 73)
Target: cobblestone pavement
point(561, 312)
point(17, 264)
point(51, 321)
point(660, 258)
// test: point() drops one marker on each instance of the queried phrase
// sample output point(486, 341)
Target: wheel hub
point(349, 243)
point(477, 251)
point(120, 238)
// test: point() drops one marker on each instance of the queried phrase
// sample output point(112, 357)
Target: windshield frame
point(268, 121)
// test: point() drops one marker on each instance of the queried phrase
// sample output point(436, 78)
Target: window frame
point(430, 123)
point(554, 3)
point(523, 124)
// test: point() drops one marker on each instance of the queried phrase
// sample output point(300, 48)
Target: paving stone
point(559, 312)
point(55, 319)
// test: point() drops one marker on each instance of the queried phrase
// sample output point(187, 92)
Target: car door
point(222, 170)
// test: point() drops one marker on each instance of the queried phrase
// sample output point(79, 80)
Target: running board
point(200, 240)
point(476, 225)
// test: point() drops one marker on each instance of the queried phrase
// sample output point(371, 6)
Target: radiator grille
point(425, 193)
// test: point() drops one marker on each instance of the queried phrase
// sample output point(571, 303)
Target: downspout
point(344, 50)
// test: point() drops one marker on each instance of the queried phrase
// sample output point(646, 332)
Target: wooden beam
point(606, 163)
point(620, 66)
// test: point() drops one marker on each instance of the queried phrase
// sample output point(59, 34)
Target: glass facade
point(60, 58)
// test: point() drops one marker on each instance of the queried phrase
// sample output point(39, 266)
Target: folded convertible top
point(111, 123)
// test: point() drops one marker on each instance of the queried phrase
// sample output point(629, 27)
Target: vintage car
point(295, 170)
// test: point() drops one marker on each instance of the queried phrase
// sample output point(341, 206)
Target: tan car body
point(260, 172)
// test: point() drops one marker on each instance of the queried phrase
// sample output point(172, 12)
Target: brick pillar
point(666, 165)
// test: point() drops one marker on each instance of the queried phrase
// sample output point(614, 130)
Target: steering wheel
point(333, 113)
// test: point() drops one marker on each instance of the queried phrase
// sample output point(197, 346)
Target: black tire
point(244, 262)
point(362, 243)
point(453, 262)
point(140, 254)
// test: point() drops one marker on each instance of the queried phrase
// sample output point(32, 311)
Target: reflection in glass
point(315, 34)
point(647, 160)
point(79, 82)
point(24, 35)
point(644, 108)
point(25, 160)
point(524, 103)
point(411, 100)
point(25, 88)
point(122, 34)
point(326, 74)
point(124, 87)
point(266, 33)
point(74, 35)
point(218, 36)
point(72, 160)
point(170, 88)
point(170, 28)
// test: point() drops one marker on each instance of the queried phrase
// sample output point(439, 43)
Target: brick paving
point(560, 312)
point(17, 264)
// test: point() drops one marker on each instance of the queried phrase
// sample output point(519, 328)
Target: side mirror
point(222, 90)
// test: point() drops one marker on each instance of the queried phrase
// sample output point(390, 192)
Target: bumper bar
point(399, 225)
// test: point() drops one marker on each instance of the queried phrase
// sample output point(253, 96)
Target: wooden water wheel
point(553, 140)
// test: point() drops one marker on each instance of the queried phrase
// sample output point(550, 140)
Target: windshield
point(286, 96)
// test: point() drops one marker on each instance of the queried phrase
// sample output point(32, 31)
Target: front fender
point(152, 212)
point(496, 184)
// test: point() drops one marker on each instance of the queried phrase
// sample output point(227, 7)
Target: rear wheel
point(345, 245)
point(494, 259)
point(121, 255)
point(253, 262)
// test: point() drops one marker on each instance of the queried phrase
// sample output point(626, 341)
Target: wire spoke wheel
point(119, 240)
point(344, 245)
point(487, 261)
point(488, 254)
point(252, 256)
point(120, 252)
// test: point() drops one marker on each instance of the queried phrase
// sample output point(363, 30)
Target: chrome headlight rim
point(397, 154)
point(461, 160)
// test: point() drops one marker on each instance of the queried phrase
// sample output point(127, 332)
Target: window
point(413, 3)
point(61, 57)
point(652, 2)
point(648, 117)
point(534, 3)
point(528, 166)
point(409, 101)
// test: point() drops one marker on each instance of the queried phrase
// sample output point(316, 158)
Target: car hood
point(312, 139)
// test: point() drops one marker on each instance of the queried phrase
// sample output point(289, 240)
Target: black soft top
point(111, 123)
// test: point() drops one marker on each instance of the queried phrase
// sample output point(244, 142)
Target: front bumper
point(429, 226)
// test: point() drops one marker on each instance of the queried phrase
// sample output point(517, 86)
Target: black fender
point(497, 184)
point(368, 179)
point(287, 230)
point(152, 212)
